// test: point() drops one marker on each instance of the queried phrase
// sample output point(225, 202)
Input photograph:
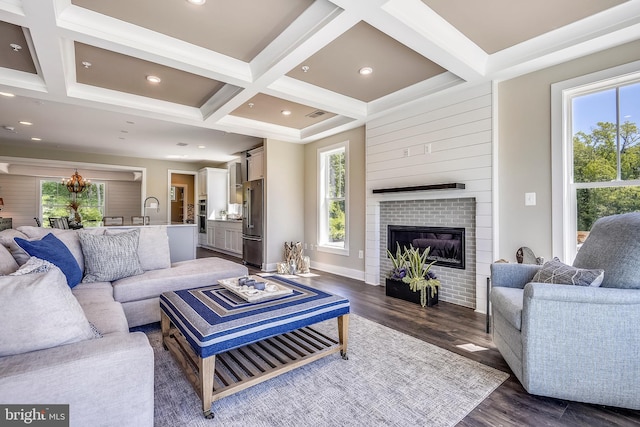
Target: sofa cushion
point(557, 272)
point(38, 311)
point(153, 247)
point(614, 246)
point(109, 258)
point(108, 317)
point(7, 263)
point(7, 240)
point(51, 249)
point(182, 275)
point(509, 302)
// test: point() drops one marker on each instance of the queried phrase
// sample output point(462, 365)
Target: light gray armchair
point(578, 343)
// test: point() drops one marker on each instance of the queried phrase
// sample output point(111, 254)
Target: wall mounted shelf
point(449, 186)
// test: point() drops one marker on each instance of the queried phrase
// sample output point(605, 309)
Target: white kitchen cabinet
point(214, 183)
point(255, 164)
point(211, 234)
point(225, 236)
point(202, 182)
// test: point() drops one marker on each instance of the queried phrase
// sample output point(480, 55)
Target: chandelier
point(76, 184)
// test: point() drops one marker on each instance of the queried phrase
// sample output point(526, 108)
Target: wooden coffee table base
point(223, 374)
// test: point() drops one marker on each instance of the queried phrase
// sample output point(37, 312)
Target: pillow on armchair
point(614, 246)
point(559, 273)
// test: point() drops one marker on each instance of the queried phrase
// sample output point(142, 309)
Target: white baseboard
point(340, 271)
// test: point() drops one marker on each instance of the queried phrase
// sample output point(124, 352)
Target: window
point(333, 206)
point(601, 155)
point(55, 201)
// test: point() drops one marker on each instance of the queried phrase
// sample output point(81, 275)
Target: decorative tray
point(250, 293)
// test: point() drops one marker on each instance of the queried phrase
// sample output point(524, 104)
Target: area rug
point(390, 379)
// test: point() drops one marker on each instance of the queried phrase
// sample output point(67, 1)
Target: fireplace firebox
point(447, 243)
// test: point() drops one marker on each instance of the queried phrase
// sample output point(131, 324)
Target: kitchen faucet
point(151, 205)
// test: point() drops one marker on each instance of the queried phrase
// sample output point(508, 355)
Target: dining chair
point(112, 220)
point(62, 223)
point(140, 220)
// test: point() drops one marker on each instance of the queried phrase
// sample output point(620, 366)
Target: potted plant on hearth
point(411, 277)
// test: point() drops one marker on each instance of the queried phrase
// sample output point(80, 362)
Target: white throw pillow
point(7, 263)
point(38, 311)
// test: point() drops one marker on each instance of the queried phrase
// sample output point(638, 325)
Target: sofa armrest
point(585, 340)
point(512, 275)
point(105, 381)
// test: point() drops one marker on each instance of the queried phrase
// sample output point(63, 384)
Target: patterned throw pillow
point(34, 265)
point(109, 258)
point(555, 271)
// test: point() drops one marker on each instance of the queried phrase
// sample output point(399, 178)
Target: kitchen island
point(183, 238)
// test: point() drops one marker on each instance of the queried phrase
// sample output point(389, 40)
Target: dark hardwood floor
point(447, 325)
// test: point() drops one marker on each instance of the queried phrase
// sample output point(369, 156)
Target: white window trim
point(320, 179)
point(563, 203)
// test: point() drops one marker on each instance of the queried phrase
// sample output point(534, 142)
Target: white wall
point(458, 126)
point(20, 194)
point(349, 266)
point(284, 198)
point(123, 199)
point(524, 111)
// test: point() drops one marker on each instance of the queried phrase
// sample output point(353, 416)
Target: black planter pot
point(399, 289)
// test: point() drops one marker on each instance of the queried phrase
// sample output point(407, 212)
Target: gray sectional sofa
point(97, 366)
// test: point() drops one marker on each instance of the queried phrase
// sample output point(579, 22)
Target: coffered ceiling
point(234, 71)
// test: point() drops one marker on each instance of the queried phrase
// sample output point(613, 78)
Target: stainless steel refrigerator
point(252, 222)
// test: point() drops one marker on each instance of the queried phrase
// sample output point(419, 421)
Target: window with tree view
point(333, 203)
point(606, 153)
point(57, 202)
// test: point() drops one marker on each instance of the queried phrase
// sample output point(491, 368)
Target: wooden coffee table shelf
point(221, 375)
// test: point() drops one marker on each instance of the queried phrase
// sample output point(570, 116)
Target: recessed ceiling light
point(36, 139)
point(197, 2)
point(25, 123)
point(7, 94)
point(154, 79)
point(286, 112)
point(365, 71)
point(15, 47)
point(202, 146)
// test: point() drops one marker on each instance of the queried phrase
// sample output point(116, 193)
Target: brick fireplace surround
point(457, 286)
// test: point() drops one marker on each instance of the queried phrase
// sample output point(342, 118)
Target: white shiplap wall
point(458, 128)
point(21, 196)
point(123, 199)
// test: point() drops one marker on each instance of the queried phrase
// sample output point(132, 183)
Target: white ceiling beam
point(321, 23)
point(122, 37)
point(11, 11)
point(426, 32)
point(41, 21)
point(305, 93)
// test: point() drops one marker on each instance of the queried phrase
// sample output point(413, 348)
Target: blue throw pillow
point(51, 249)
